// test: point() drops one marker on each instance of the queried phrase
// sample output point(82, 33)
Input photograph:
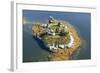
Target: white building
point(44, 25)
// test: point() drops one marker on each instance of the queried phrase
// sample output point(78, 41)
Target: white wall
point(5, 40)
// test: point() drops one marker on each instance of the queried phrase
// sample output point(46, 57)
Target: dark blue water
point(34, 51)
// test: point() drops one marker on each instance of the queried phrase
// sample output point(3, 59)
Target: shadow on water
point(41, 44)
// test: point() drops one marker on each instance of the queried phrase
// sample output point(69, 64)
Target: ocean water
point(34, 51)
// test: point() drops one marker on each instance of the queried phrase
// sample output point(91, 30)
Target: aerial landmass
point(60, 37)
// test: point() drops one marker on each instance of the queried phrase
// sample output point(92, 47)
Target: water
point(35, 51)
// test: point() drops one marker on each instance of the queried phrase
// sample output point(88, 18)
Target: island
point(60, 37)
